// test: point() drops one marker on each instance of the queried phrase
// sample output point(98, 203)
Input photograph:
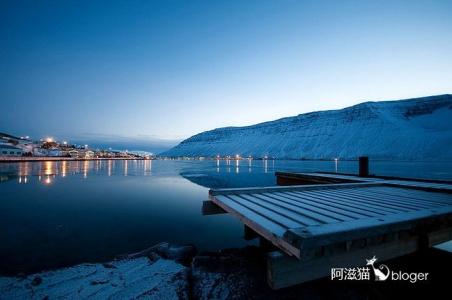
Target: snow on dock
point(317, 225)
point(286, 178)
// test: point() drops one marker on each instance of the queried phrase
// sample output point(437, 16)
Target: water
point(55, 214)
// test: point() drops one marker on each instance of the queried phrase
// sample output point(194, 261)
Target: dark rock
point(98, 281)
point(109, 266)
point(181, 254)
point(36, 281)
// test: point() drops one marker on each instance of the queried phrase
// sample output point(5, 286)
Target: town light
point(49, 140)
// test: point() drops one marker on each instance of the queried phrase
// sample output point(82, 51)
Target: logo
point(380, 273)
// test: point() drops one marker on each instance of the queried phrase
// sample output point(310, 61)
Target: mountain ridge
point(417, 128)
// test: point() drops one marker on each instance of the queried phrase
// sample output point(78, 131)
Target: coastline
point(8, 159)
point(167, 271)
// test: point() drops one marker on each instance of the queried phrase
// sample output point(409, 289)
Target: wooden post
point(363, 166)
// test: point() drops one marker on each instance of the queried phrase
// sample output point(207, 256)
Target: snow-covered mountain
point(413, 129)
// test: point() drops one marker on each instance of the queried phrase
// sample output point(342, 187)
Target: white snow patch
point(138, 278)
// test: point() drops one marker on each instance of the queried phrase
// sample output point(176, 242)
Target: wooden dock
point(339, 221)
point(288, 178)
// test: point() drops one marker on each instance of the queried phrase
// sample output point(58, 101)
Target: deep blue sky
point(170, 69)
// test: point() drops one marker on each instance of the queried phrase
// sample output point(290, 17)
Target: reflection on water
point(65, 212)
point(45, 172)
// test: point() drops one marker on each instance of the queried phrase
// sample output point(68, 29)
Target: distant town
point(13, 147)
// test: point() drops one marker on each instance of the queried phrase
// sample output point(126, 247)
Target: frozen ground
point(177, 272)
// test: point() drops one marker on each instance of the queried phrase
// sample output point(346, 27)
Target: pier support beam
point(363, 166)
point(284, 270)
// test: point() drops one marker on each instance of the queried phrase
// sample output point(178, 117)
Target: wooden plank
point(420, 186)
point(284, 271)
point(285, 210)
point(321, 177)
point(264, 227)
point(254, 190)
point(352, 178)
point(388, 201)
point(276, 215)
point(392, 199)
point(333, 205)
point(284, 178)
point(417, 195)
point(315, 236)
point(248, 214)
point(391, 202)
point(318, 210)
point(402, 201)
point(359, 203)
point(307, 217)
point(210, 208)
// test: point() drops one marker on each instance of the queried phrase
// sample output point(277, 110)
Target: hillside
point(413, 129)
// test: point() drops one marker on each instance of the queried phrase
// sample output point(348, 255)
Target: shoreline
point(181, 272)
point(9, 159)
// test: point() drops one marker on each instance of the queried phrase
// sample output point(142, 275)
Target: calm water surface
point(55, 214)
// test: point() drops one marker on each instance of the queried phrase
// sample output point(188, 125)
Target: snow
point(139, 278)
point(414, 129)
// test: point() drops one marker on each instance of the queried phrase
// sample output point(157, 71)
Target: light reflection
point(49, 167)
point(24, 169)
point(49, 170)
point(23, 179)
point(85, 168)
point(147, 167)
point(335, 164)
point(48, 180)
point(23, 172)
point(63, 168)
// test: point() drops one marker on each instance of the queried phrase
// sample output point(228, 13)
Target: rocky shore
point(167, 271)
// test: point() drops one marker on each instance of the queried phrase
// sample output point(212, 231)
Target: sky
point(165, 70)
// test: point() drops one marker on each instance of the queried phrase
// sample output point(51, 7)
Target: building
point(85, 153)
point(72, 153)
point(9, 150)
point(89, 154)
